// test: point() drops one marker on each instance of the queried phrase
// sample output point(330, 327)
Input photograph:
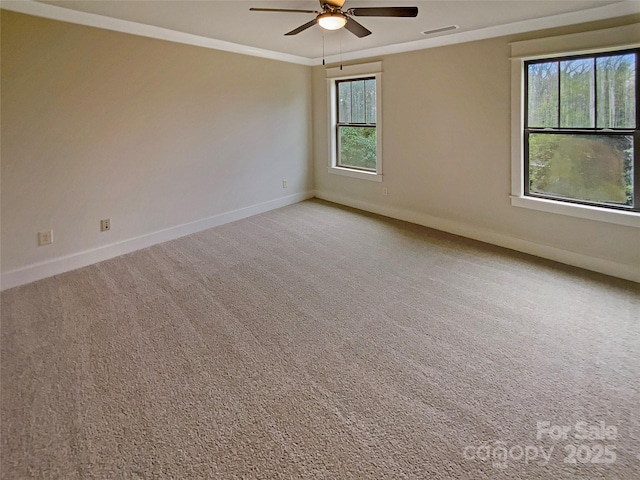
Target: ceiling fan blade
point(384, 11)
point(281, 10)
point(332, 3)
point(355, 28)
point(302, 28)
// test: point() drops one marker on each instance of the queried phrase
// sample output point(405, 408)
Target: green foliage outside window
point(358, 147)
point(592, 168)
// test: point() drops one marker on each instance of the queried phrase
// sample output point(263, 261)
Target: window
point(355, 132)
point(581, 129)
point(574, 125)
point(356, 125)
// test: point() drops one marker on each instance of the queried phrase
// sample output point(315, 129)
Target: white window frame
point(347, 73)
point(618, 38)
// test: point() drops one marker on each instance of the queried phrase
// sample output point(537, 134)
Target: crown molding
point(629, 7)
point(622, 9)
point(54, 12)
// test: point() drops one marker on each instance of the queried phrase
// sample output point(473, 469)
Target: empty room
point(301, 239)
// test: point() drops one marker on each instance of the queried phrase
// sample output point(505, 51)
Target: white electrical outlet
point(284, 184)
point(385, 191)
point(45, 238)
point(105, 225)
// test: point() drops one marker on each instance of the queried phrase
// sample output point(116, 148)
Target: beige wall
point(446, 159)
point(154, 135)
point(151, 134)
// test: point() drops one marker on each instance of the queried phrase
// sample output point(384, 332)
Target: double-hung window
point(354, 126)
point(575, 117)
point(581, 129)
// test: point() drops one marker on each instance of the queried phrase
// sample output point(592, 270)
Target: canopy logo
point(580, 443)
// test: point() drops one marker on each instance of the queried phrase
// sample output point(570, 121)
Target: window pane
point(357, 101)
point(543, 94)
point(593, 168)
point(370, 98)
point(344, 102)
point(357, 147)
point(577, 93)
point(616, 79)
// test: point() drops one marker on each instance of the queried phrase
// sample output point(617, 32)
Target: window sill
point(347, 172)
point(629, 219)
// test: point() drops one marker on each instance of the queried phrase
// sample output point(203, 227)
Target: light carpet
point(316, 341)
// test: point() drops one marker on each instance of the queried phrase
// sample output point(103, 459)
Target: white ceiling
point(229, 25)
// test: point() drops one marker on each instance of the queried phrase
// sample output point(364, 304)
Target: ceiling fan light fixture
point(332, 20)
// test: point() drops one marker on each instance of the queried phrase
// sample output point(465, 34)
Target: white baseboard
point(31, 273)
point(608, 267)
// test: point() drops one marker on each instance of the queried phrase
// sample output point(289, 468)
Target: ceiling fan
point(332, 17)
